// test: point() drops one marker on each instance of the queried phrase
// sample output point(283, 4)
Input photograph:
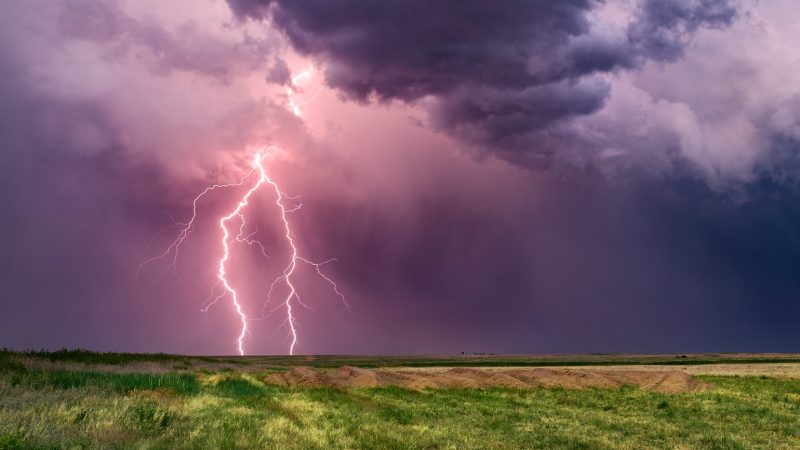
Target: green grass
point(90, 357)
point(119, 382)
point(235, 409)
point(232, 409)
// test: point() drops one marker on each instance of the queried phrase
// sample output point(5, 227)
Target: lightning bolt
point(289, 272)
point(187, 229)
point(298, 79)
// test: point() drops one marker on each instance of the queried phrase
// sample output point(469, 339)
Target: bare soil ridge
point(671, 381)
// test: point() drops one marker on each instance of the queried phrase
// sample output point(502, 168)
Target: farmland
point(79, 399)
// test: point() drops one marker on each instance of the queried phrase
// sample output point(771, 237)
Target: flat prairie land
point(80, 399)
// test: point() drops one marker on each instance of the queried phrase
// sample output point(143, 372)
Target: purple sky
point(508, 176)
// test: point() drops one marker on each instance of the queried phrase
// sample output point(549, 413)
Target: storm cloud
point(509, 78)
point(661, 214)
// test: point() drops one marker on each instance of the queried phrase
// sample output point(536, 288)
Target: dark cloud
point(663, 28)
point(783, 161)
point(437, 253)
point(406, 50)
point(505, 76)
point(509, 120)
point(279, 72)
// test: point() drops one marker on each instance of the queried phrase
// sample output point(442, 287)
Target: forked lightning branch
point(256, 179)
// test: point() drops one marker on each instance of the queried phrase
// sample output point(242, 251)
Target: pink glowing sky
point(652, 186)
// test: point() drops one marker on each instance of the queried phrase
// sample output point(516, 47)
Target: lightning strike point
point(287, 277)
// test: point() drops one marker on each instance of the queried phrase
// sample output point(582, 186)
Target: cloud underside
point(115, 115)
point(542, 82)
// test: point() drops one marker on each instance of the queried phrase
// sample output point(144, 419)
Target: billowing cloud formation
point(161, 89)
point(508, 77)
point(662, 29)
point(116, 113)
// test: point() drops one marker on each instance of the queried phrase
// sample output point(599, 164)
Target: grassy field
point(86, 400)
